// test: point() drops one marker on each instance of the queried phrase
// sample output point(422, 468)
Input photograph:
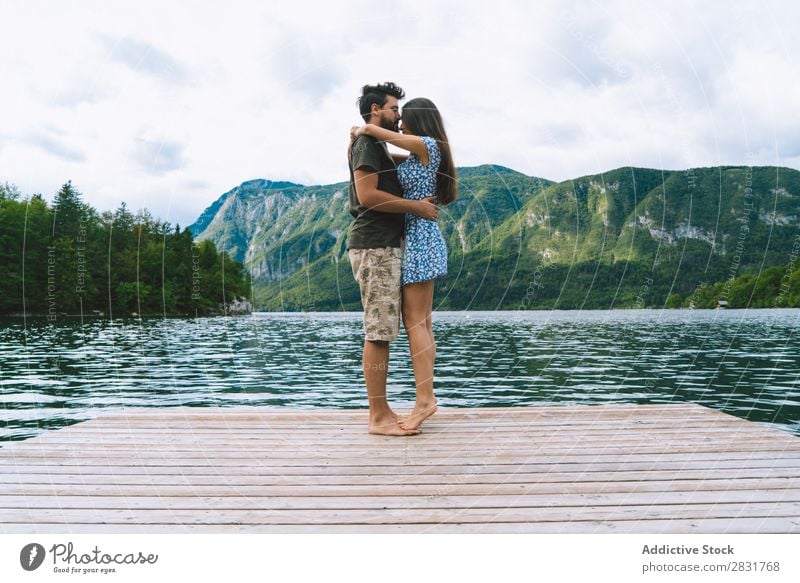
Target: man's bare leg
point(382, 420)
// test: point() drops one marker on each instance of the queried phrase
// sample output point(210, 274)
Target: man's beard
point(389, 124)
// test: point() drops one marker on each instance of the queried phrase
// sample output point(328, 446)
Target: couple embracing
point(395, 247)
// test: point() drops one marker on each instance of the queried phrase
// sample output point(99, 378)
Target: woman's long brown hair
point(423, 119)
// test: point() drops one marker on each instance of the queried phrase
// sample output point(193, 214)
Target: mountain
point(628, 237)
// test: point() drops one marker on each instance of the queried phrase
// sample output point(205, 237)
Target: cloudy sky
point(166, 105)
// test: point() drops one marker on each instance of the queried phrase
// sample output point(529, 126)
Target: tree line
point(66, 258)
point(777, 286)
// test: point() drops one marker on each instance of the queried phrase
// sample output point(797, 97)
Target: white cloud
point(142, 57)
point(168, 105)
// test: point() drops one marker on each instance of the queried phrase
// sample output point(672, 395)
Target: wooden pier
point(679, 468)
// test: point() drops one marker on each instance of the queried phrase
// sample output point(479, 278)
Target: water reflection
point(742, 362)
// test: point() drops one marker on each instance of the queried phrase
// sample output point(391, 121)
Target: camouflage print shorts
point(377, 272)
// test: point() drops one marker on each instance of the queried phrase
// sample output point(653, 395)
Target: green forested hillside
point(66, 258)
point(631, 237)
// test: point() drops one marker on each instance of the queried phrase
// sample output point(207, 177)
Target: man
point(374, 245)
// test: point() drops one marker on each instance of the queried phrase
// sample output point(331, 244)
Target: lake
point(742, 362)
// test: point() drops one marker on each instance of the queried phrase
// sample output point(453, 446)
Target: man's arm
point(406, 142)
point(368, 195)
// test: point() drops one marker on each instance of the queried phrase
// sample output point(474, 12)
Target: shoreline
point(104, 317)
point(256, 312)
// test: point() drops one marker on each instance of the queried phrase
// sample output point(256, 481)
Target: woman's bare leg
point(417, 307)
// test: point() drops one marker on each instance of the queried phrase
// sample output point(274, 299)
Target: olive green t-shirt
point(372, 229)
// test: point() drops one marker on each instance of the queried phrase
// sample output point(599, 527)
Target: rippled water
point(743, 362)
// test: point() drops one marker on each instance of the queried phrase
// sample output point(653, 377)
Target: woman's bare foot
point(422, 410)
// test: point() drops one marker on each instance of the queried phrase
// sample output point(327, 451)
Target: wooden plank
point(430, 432)
point(401, 515)
point(199, 413)
point(358, 456)
point(183, 490)
point(441, 441)
point(759, 525)
point(246, 437)
point(409, 458)
point(434, 433)
point(552, 425)
point(400, 472)
point(676, 476)
point(441, 425)
point(443, 418)
point(778, 489)
point(475, 450)
point(610, 427)
point(430, 435)
point(774, 458)
point(226, 511)
point(444, 421)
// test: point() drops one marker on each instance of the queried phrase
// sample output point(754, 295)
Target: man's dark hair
point(377, 94)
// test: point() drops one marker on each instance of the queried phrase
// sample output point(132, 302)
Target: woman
point(426, 171)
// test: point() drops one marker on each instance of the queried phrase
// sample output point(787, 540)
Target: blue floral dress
point(425, 253)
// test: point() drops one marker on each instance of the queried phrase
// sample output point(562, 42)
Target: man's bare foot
point(391, 427)
point(420, 413)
